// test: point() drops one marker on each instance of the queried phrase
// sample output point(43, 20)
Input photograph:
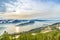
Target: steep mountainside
point(55, 26)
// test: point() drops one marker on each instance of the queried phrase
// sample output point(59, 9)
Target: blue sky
point(56, 1)
point(2, 2)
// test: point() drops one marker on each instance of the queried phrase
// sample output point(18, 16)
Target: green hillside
point(50, 32)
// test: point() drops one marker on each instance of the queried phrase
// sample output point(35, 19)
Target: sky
point(30, 9)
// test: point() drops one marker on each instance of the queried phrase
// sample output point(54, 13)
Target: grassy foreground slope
point(53, 35)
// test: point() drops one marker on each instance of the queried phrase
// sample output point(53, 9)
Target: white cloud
point(36, 10)
point(18, 6)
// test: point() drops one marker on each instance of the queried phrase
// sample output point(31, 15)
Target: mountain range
point(35, 23)
point(22, 22)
